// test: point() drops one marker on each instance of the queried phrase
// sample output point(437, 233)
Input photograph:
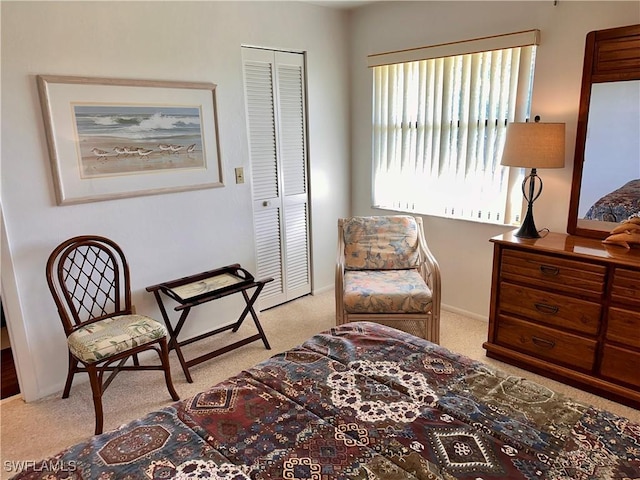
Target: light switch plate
point(239, 175)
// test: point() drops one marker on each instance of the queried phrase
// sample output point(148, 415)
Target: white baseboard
point(318, 291)
point(11, 399)
point(466, 313)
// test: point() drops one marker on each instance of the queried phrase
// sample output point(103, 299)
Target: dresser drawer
point(553, 309)
point(626, 286)
point(621, 364)
point(546, 343)
point(559, 274)
point(624, 326)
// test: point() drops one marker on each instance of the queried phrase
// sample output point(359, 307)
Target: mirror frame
point(611, 55)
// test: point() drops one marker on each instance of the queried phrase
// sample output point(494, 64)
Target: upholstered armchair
point(385, 273)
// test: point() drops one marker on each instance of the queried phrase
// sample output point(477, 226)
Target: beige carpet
point(31, 431)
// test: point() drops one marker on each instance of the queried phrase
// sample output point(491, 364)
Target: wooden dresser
point(568, 307)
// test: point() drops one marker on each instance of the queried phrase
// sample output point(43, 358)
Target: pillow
point(381, 242)
point(626, 234)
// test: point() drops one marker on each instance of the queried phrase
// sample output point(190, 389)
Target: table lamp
point(533, 145)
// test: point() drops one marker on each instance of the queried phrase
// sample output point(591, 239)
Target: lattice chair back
point(89, 279)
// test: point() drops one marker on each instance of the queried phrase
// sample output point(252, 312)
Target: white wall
point(463, 248)
point(171, 235)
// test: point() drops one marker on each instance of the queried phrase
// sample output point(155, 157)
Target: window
point(439, 120)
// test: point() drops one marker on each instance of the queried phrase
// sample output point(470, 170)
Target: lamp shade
point(534, 145)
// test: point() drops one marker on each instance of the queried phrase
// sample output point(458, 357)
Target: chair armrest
point(429, 269)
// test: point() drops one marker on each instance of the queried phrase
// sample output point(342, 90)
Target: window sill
point(448, 217)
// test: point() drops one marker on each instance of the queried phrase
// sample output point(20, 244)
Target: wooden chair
point(385, 273)
point(88, 277)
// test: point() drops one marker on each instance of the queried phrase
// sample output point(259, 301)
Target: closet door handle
point(549, 270)
point(546, 309)
point(543, 342)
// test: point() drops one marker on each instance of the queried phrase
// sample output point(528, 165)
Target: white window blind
point(439, 126)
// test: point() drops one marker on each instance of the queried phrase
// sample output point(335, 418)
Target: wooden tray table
point(204, 287)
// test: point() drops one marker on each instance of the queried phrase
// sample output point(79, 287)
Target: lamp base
point(528, 228)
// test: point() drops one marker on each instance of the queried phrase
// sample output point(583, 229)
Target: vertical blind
point(439, 127)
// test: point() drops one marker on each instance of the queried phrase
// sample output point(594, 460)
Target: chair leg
point(73, 366)
point(436, 329)
point(164, 358)
point(96, 389)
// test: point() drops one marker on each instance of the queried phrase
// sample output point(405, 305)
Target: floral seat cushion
point(108, 337)
point(385, 291)
point(380, 243)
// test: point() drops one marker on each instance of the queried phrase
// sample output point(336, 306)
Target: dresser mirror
point(606, 174)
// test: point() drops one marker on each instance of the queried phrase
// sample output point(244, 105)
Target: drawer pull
point(542, 342)
point(549, 270)
point(546, 309)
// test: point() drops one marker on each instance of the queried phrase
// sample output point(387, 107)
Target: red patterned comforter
point(363, 401)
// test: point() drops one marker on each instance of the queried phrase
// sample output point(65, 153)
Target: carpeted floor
point(31, 431)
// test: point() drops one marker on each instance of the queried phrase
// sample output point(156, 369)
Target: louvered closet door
point(274, 89)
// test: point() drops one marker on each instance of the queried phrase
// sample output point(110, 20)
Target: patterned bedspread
point(618, 205)
point(363, 401)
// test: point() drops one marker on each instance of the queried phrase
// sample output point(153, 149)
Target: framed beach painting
point(111, 138)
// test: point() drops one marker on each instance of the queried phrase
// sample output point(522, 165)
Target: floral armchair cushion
point(105, 338)
point(385, 291)
point(381, 243)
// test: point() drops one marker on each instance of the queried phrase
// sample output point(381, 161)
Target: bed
point(363, 401)
point(618, 205)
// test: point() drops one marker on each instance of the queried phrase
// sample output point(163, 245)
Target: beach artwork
point(131, 139)
point(114, 138)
